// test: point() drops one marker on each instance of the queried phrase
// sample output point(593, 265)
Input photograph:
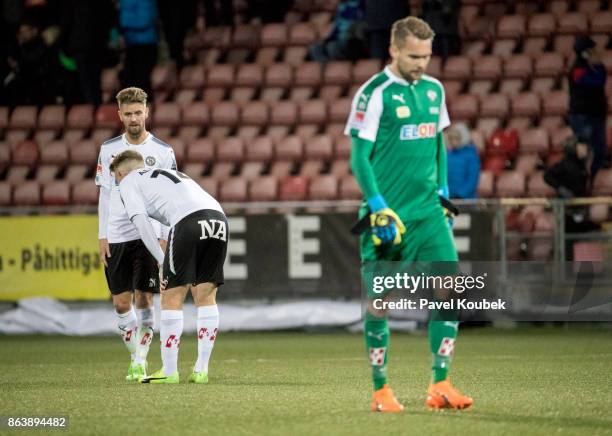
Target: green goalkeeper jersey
point(398, 149)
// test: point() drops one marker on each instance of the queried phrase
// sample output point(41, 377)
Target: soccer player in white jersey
point(129, 267)
point(194, 255)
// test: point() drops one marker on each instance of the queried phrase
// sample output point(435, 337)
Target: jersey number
point(171, 176)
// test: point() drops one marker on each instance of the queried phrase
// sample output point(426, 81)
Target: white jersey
point(165, 195)
point(156, 154)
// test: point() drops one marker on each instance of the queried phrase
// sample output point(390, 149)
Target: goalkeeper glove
point(385, 224)
point(443, 192)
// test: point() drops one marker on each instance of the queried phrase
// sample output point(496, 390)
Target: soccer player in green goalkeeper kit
point(399, 160)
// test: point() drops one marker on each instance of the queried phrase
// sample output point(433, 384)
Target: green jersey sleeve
point(362, 167)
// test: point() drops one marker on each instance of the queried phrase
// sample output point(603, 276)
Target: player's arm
point(148, 236)
point(443, 123)
point(103, 181)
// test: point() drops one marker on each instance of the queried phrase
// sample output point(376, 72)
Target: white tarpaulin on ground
point(49, 316)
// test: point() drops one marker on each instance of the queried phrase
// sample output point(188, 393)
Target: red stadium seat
point(194, 169)
point(337, 73)
point(602, 22)
point(301, 93)
point(573, 22)
point(494, 164)
point(255, 114)
point(549, 64)
point(192, 77)
point(311, 168)
point(290, 148)
point(85, 153)
point(23, 118)
point(225, 113)
point(210, 185)
point(222, 171)
point(504, 48)
point(602, 185)
point(284, 113)
point(55, 152)
point(76, 173)
point(366, 68)
point(339, 110)
point(526, 104)
point(166, 115)
point(259, 149)
point(487, 67)
point(221, 75)
point(457, 67)
point(6, 191)
point(330, 93)
point(85, 192)
point(503, 142)
point(107, 117)
point(233, 189)
point(56, 194)
point(196, 114)
point(319, 147)
point(537, 187)
point(313, 112)
point(435, 67)
point(217, 37)
point(510, 184)
point(279, 75)
point(293, 188)
point(556, 103)
point(494, 105)
point(27, 194)
point(242, 94)
point(25, 153)
point(80, 117)
point(534, 141)
point(245, 35)
point(452, 88)
point(511, 86)
point(534, 46)
point(44, 137)
point(52, 117)
point(511, 26)
point(47, 173)
point(558, 137)
point(342, 148)
point(485, 184)
point(237, 56)
point(230, 150)
point(281, 169)
point(274, 34)
point(309, 74)
point(276, 133)
point(598, 213)
point(251, 170)
point(302, 34)
point(13, 137)
point(526, 163)
point(564, 44)
point(4, 117)
point(349, 189)
point(163, 77)
point(266, 56)
point(542, 85)
point(542, 24)
point(295, 56)
point(264, 188)
point(340, 168)
point(249, 75)
point(201, 150)
point(324, 187)
point(464, 106)
point(474, 49)
point(518, 66)
point(110, 83)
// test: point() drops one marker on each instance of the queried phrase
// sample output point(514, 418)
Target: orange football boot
point(443, 395)
point(385, 401)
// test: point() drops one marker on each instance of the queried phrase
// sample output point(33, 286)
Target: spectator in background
point(218, 13)
point(588, 105)
point(176, 22)
point(138, 22)
point(463, 162)
point(379, 17)
point(570, 176)
point(443, 17)
point(345, 39)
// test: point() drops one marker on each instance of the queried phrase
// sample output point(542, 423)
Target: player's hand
point(385, 224)
point(104, 250)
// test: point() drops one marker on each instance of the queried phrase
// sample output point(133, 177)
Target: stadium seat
point(558, 136)
point(25, 153)
point(254, 114)
point(192, 77)
point(85, 192)
point(164, 77)
point(494, 164)
point(589, 7)
point(276, 133)
point(480, 28)
point(279, 75)
point(551, 122)
point(549, 64)
point(511, 86)
point(289, 148)
point(56, 193)
point(364, 69)
point(260, 149)
point(23, 118)
point(434, 68)
point(4, 117)
point(503, 142)
point(486, 184)
point(295, 56)
point(194, 169)
point(251, 170)
point(272, 95)
point(494, 105)
point(5, 155)
point(245, 36)
point(534, 46)
point(274, 35)
point(44, 137)
point(109, 83)
point(542, 24)
point(324, 187)
point(335, 129)
point(349, 189)
point(46, 173)
point(556, 103)
point(540, 250)
point(526, 163)
point(558, 7)
point(263, 188)
point(510, 184)
point(504, 48)
point(55, 152)
point(107, 117)
point(564, 44)
point(266, 56)
point(230, 149)
point(249, 75)
point(452, 88)
point(84, 153)
point(222, 171)
point(589, 252)
point(27, 194)
point(602, 185)
point(237, 56)
point(518, 66)
point(220, 75)
point(6, 191)
point(210, 185)
point(195, 114)
point(284, 113)
point(75, 173)
point(52, 117)
point(337, 73)
point(301, 93)
point(17, 174)
point(302, 34)
point(233, 189)
point(14, 137)
point(311, 168)
point(312, 112)
point(457, 67)
point(340, 168)
point(464, 106)
point(340, 110)
point(217, 36)
point(534, 141)
point(293, 188)
point(342, 147)
point(542, 85)
point(201, 150)
point(487, 67)
point(319, 147)
point(526, 104)
point(309, 74)
point(80, 117)
point(225, 113)
point(166, 115)
point(281, 169)
point(474, 49)
point(573, 22)
point(598, 213)
point(537, 187)
point(602, 22)
point(511, 26)
point(330, 93)
point(242, 95)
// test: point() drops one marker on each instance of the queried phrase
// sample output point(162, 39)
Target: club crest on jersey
point(418, 131)
point(150, 161)
point(432, 95)
point(402, 111)
point(363, 102)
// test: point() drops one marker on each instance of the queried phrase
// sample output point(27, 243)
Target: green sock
point(376, 333)
point(442, 335)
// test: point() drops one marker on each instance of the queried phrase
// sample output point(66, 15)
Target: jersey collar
point(128, 143)
point(397, 78)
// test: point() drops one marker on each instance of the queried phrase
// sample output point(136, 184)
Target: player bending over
point(399, 160)
point(129, 267)
point(194, 255)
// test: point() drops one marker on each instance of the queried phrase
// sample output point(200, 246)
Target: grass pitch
point(525, 381)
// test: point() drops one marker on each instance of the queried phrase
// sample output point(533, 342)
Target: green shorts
point(429, 240)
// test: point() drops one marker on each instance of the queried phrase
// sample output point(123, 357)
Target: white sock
point(127, 328)
point(208, 328)
point(146, 325)
point(170, 337)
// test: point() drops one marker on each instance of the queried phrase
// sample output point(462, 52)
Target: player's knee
point(122, 305)
point(143, 299)
point(205, 294)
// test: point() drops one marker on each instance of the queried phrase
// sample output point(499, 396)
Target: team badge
point(402, 111)
point(432, 95)
point(150, 161)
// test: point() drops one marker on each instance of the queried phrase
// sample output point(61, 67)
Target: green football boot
point(158, 377)
point(198, 377)
point(139, 371)
point(131, 376)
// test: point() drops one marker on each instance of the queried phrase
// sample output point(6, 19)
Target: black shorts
point(130, 267)
point(196, 252)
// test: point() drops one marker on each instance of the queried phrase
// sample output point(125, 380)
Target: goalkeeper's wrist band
point(377, 203)
point(443, 191)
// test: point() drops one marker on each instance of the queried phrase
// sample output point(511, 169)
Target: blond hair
point(131, 95)
point(126, 157)
point(410, 26)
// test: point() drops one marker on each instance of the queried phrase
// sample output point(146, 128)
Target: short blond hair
point(126, 157)
point(131, 95)
point(410, 26)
